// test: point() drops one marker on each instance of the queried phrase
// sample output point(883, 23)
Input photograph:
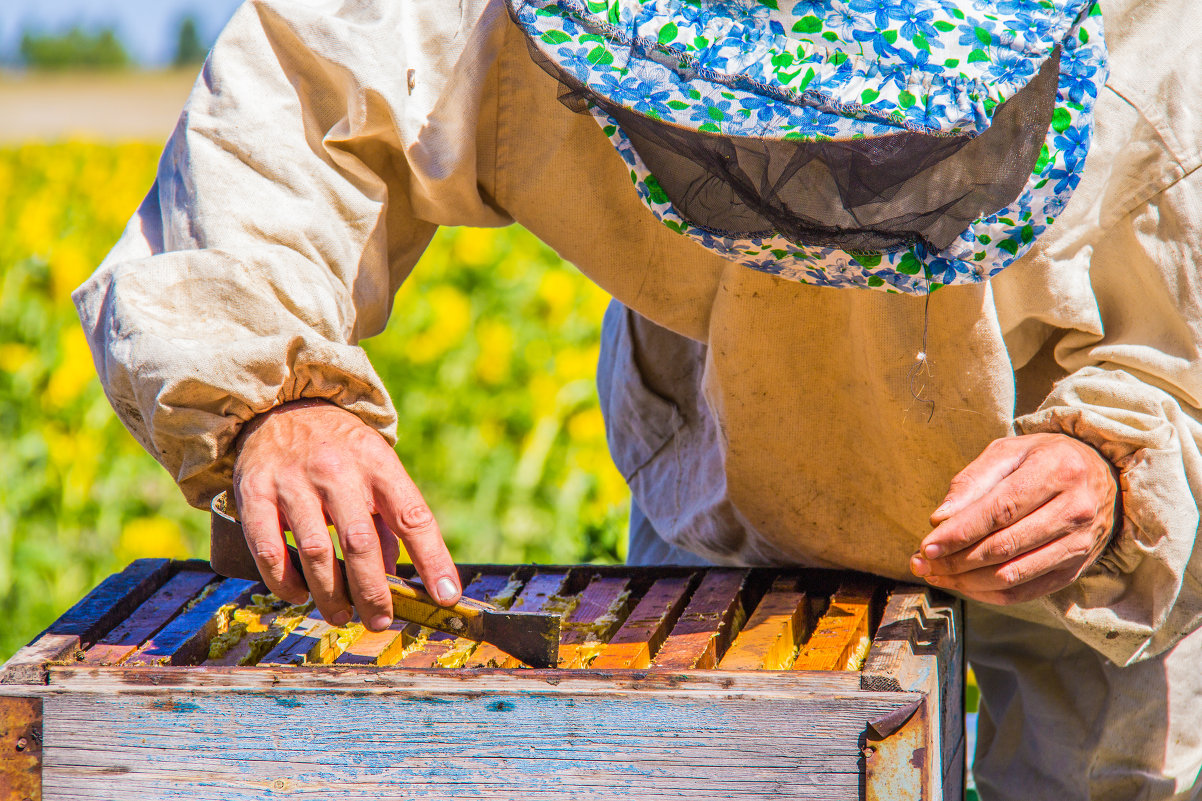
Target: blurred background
point(491, 352)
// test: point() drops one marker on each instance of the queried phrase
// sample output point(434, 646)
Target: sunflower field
point(490, 355)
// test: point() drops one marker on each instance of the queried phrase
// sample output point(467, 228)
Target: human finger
point(1027, 591)
point(303, 512)
point(390, 546)
point(405, 511)
point(1014, 497)
point(1034, 530)
point(999, 459)
point(1062, 553)
point(361, 552)
point(265, 537)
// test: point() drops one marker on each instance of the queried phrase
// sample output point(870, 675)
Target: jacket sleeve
point(1112, 304)
point(1116, 302)
point(322, 145)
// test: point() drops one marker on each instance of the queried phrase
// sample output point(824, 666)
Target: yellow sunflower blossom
point(475, 247)
point(15, 357)
point(74, 371)
point(70, 266)
point(596, 301)
point(572, 364)
point(587, 427)
point(544, 394)
point(451, 314)
point(496, 342)
point(151, 537)
point(557, 290)
point(37, 224)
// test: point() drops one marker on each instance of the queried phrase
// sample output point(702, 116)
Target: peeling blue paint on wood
point(186, 639)
point(236, 746)
point(173, 705)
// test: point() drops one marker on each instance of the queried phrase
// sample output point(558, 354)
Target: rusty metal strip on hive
point(897, 757)
point(20, 749)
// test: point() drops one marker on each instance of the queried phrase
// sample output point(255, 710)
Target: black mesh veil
point(864, 195)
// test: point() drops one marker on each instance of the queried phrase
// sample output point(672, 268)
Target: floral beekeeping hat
point(899, 144)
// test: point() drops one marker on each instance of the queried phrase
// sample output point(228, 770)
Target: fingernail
point(340, 618)
point(920, 566)
point(380, 623)
point(446, 590)
point(942, 510)
point(933, 551)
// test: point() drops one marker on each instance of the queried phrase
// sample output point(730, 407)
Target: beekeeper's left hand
point(1024, 519)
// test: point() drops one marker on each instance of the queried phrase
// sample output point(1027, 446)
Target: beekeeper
point(908, 287)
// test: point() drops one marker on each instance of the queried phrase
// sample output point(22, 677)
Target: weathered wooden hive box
point(167, 681)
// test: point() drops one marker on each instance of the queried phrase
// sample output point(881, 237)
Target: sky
point(147, 28)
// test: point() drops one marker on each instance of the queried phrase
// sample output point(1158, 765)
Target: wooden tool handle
point(410, 601)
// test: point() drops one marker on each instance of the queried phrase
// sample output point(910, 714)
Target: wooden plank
point(328, 649)
point(237, 746)
point(954, 770)
point(440, 649)
point(313, 641)
point(540, 594)
point(267, 622)
point(919, 647)
point(313, 635)
point(120, 678)
point(840, 639)
point(377, 647)
point(647, 626)
point(185, 640)
point(599, 610)
point(100, 610)
point(769, 639)
point(148, 618)
point(707, 625)
point(430, 646)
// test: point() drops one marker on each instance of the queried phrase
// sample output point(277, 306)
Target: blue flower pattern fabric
point(839, 69)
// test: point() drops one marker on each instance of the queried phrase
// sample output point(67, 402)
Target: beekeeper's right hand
point(307, 464)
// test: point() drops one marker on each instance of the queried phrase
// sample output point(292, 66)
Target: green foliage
point(75, 49)
point(189, 49)
point(491, 354)
point(490, 357)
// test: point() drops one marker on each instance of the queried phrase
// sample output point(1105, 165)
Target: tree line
point(100, 49)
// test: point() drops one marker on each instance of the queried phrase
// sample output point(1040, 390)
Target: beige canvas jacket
point(758, 420)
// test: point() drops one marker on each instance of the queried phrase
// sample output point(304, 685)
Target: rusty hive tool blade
point(529, 636)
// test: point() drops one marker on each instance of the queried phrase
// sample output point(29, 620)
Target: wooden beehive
point(167, 681)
